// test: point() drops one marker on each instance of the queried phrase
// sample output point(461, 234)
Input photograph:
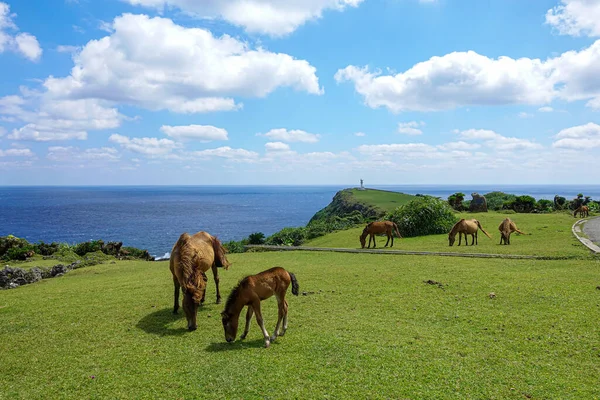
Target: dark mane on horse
point(193, 281)
point(220, 258)
point(235, 292)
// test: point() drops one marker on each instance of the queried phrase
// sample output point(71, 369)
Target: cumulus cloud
point(145, 145)
point(155, 64)
point(578, 137)
point(229, 153)
point(204, 133)
point(460, 145)
point(546, 109)
point(16, 153)
point(498, 142)
point(24, 43)
point(575, 17)
point(269, 17)
point(277, 146)
point(410, 128)
point(461, 79)
point(524, 114)
point(70, 153)
point(285, 135)
point(360, 134)
point(49, 119)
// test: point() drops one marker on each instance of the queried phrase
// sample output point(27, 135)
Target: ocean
point(153, 217)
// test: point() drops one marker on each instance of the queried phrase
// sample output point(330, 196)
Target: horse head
point(451, 239)
point(230, 326)
point(190, 308)
point(363, 237)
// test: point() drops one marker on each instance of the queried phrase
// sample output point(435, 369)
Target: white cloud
point(270, 17)
point(594, 104)
point(70, 153)
point(461, 79)
point(23, 43)
point(285, 135)
point(203, 133)
point(360, 134)
point(227, 152)
point(16, 153)
point(277, 146)
point(33, 132)
point(576, 17)
point(145, 145)
point(578, 137)
point(497, 141)
point(407, 149)
point(546, 109)
point(67, 49)
point(460, 145)
point(410, 128)
point(523, 114)
point(155, 64)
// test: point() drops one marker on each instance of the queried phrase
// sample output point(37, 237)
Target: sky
point(299, 92)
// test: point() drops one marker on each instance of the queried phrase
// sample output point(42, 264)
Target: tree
point(456, 201)
point(423, 216)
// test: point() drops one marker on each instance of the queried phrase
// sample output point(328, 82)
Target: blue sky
point(265, 92)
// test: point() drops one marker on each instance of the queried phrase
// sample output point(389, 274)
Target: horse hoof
point(218, 301)
point(273, 338)
point(242, 337)
point(267, 343)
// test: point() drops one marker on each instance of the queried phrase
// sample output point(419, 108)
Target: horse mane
point(235, 292)
point(455, 227)
point(193, 279)
point(220, 259)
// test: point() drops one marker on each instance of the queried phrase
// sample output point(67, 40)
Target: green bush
point(496, 200)
point(234, 247)
point(11, 242)
point(256, 238)
point(423, 216)
point(83, 248)
point(522, 204)
point(544, 205)
point(287, 237)
point(20, 253)
point(456, 201)
point(46, 249)
point(66, 254)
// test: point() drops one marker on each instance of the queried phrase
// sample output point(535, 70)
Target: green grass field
point(368, 327)
point(549, 235)
point(383, 199)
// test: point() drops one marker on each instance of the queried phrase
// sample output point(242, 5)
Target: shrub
point(522, 204)
point(88, 247)
point(11, 242)
point(256, 238)
point(560, 202)
point(423, 216)
point(544, 205)
point(287, 237)
point(20, 253)
point(456, 201)
point(46, 249)
point(496, 200)
point(235, 247)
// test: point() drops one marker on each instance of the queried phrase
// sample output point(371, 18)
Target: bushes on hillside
point(423, 216)
point(495, 200)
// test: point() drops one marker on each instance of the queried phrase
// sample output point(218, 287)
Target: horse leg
point(204, 291)
point(474, 240)
point(176, 295)
point(216, 275)
point(285, 312)
point(248, 318)
point(459, 238)
point(374, 240)
point(280, 301)
point(259, 320)
point(388, 239)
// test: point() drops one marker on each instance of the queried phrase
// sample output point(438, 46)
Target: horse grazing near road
point(374, 228)
point(464, 227)
point(191, 257)
point(250, 291)
point(506, 228)
point(584, 211)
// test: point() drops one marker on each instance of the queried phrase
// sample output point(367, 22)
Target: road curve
point(592, 230)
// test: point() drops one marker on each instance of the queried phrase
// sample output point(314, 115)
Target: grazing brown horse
point(191, 257)
point(506, 228)
point(464, 227)
point(584, 211)
point(374, 228)
point(250, 291)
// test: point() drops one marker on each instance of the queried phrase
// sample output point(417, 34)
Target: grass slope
point(382, 199)
point(369, 327)
point(548, 235)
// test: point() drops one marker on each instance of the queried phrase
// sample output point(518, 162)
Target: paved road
point(592, 230)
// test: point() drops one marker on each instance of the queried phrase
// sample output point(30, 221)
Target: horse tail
point(396, 228)
point(483, 230)
point(295, 286)
point(521, 232)
point(220, 259)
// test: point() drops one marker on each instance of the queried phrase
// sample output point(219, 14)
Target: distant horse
point(464, 227)
point(584, 211)
point(250, 291)
point(373, 228)
point(191, 257)
point(506, 228)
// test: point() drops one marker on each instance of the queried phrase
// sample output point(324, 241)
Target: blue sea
point(153, 217)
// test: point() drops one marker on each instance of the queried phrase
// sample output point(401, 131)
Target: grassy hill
point(369, 326)
point(548, 235)
point(371, 203)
